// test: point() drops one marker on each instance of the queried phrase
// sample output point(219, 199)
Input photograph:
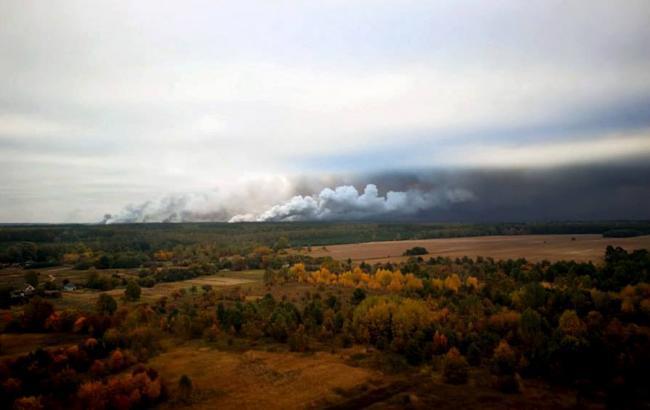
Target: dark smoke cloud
point(587, 192)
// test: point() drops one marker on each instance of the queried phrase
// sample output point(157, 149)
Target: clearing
point(535, 248)
point(254, 379)
point(258, 379)
point(84, 297)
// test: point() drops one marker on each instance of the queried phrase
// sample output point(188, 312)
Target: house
point(29, 289)
point(52, 293)
point(17, 296)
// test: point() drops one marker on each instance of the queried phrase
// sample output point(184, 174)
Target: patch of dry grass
point(14, 344)
point(532, 247)
point(259, 379)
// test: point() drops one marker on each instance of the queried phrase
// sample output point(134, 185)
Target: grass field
point(252, 379)
point(14, 344)
point(223, 280)
point(535, 248)
point(259, 379)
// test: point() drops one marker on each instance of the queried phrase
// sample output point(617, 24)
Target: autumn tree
point(452, 283)
point(358, 296)
point(504, 362)
point(31, 278)
point(36, 312)
point(106, 304)
point(455, 367)
point(132, 291)
point(570, 324)
point(185, 388)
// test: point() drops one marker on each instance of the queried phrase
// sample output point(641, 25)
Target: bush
point(185, 388)
point(358, 296)
point(31, 278)
point(298, 341)
point(36, 312)
point(455, 367)
point(132, 291)
point(106, 304)
point(504, 363)
point(415, 251)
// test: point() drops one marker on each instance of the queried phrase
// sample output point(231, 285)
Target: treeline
point(620, 268)
point(129, 244)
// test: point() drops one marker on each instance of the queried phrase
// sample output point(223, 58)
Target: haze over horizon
point(281, 111)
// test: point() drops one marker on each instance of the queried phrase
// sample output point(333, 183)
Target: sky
point(147, 111)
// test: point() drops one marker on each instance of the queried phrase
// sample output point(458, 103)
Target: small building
point(52, 293)
point(29, 289)
point(69, 287)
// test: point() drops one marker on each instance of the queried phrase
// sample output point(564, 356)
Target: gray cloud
point(605, 191)
point(115, 102)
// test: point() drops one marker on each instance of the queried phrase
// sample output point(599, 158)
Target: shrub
point(132, 291)
point(36, 312)
point(504, 360)
point(28, 403)
point(504, 363)
point(31, 278)
point(106, 304)
point(415, 251)
point(298, 341)
point(358, 296)
point(455, 367)
point(185, 388)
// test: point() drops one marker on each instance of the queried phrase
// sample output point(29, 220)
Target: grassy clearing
point(82, 298)
point(535, 248)
point(14, 344)
point(251, 379)
point(259, 379)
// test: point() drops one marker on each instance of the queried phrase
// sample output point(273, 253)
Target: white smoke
point(345, 203)
point(242, 195)
point(171, 208)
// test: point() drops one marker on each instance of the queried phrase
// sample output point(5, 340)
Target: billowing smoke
point(171, 208)
point(346, 203)
point(217, 205)
point(588, 192)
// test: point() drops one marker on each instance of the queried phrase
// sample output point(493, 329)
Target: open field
point(85, 296)
point(14, 344)
point(280, 380)
point(259, 379)
point(532, 247)
point(15, 275)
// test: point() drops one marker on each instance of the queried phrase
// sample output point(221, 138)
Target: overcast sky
point(230, 108)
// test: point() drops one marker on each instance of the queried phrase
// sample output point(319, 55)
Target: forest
point(505, 324)
point(129, 245)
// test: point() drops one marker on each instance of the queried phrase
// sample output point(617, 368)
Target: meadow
point(536, 248)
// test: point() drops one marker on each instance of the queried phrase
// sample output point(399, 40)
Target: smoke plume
point(345, 203)
point(588, 192)
point(216, 205)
